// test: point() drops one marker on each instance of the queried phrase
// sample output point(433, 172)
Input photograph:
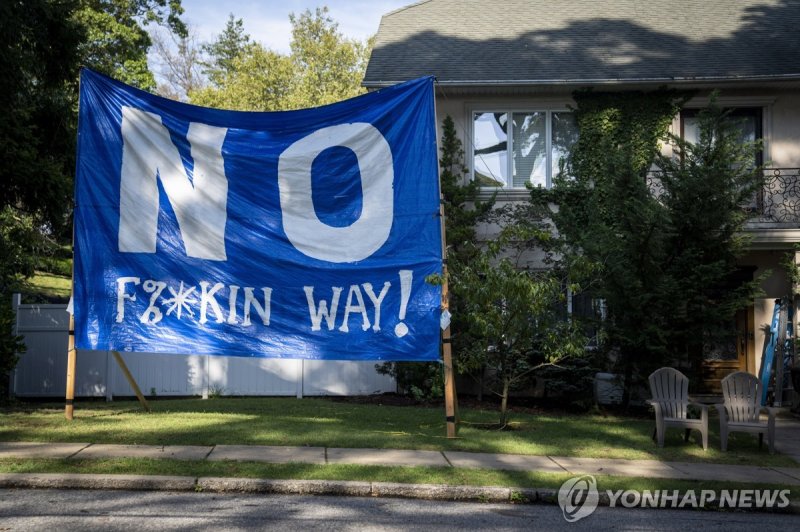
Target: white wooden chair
point(670, 390)
point(741, 411)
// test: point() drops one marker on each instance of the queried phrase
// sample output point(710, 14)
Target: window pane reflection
point(490, 163)
point(529, 145)
point(565, 134)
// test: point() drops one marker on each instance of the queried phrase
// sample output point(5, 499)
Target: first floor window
point(514, 149)
point(590, 311)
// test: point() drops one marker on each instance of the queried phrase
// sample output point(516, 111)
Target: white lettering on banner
point(303, 227)
point(376, 302)
point(263, 311)
point(207, 298)
point(233, 291)
point(355, 291)
point(318, 313)
point(122, 295)
point(155, 288)
point(187, 301)
point(200, 202)
point(200, 206)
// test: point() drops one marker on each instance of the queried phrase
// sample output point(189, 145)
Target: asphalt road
point(143, 511)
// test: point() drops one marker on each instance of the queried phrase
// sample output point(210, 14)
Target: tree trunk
point(627, 383)
point(504, 402)
point(480, 383)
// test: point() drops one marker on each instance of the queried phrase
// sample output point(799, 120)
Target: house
point(503, 59)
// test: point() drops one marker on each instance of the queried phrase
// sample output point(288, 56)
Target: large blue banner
point(298, 234)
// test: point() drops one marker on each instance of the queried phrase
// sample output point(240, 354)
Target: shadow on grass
point(324, 423)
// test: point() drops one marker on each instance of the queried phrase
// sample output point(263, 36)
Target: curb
point(284, 487)
point(96, 482)
point(437, 492)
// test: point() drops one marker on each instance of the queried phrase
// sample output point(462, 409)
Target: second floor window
point(747, 119)
point(513, 149)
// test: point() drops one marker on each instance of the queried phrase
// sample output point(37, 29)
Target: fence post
point(299, 380)
point(109, 378)
point(16, 301)
point(206, 378)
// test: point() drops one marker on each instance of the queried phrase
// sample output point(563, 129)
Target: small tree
point(514, 316)
point(707, 190)
point(223, 51)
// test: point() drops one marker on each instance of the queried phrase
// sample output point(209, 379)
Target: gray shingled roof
point(465, 42)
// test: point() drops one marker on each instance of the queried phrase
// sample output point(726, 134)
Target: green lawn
point(328, 423)
point(46, 286)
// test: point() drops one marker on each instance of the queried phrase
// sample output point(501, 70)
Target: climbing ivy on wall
point(618, 206)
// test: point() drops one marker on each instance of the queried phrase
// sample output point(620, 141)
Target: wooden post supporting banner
point(71, 363)
point(131, 380)
point(447, 352)
point(450, 397)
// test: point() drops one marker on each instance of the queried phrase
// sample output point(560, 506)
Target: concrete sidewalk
point(396, 457)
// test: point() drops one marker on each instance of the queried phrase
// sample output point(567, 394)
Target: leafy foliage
point(44, 42)
point(422, 380)
point(11, 346)
point(116, 42)
point(37, 134)
point(20, 243)
point(39, 89)
point(323, 67)
point(705, 238)
point(514, 316)
point(663, 258)
point(224, 51)
point(462, 207)
point(607, 214)
point(260, 80)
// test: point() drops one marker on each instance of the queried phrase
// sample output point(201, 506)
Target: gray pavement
point(787, 435)
point(410, 458)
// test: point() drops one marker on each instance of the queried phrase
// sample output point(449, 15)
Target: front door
point(733, 352)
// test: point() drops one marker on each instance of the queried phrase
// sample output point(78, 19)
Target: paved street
point(142, 511)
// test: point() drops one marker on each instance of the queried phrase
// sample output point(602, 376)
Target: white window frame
point(548, 110)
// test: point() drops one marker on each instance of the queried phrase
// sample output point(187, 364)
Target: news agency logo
point(578, 497)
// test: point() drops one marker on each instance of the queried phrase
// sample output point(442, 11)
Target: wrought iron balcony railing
point(777, 202)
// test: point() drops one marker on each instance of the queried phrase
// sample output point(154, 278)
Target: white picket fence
point(41, 371)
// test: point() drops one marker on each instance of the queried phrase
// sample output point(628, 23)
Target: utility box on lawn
point(607, 389)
